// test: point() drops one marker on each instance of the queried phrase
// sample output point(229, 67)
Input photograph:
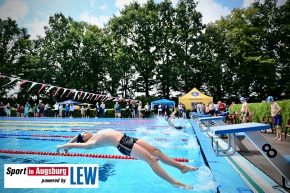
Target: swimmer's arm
point(67, 146)
point(73, 140)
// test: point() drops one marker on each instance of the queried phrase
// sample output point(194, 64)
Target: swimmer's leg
point(164, 158)
point(140, 153)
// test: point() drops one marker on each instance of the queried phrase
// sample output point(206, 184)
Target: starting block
point(252, 132)
point(209, 122)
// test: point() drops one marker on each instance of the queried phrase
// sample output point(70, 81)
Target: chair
point(230, 118)
point(268, 120)
point(250, 117)
point(271, 122)
point(237, 117)
point(286, 127)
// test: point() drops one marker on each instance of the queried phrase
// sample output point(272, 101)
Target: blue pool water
point(115, 175)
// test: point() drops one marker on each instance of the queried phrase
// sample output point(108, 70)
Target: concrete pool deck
point(256, 158)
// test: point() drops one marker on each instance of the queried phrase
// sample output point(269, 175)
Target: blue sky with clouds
point(34, 14)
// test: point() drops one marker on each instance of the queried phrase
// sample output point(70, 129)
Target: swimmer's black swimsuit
point(179, 127)
point(126, 144)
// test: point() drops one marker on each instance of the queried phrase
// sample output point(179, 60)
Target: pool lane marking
point(53, 124)
point(59, 136)
point(79, 155)
point(241, 170)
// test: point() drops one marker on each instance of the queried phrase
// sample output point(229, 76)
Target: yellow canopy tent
point(194, 96)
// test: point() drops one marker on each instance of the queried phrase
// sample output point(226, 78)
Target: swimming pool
point(115, 175)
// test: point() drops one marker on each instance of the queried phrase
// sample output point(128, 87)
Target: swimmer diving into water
point(172, 115)
point(129, 146)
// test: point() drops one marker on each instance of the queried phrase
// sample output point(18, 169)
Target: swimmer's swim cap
point(80, 138)
point(270, 99)
point(166, 118)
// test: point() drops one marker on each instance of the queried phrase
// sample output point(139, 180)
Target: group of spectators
point(211, 108)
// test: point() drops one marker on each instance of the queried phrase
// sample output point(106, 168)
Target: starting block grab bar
point(252, 132)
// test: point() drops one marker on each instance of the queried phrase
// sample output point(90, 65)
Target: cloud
point(211, 10)
point(100, 21)
point(15, 9)
point(121, 3)
point(103, 7)
point(92, 3)
point(36, 28)
point(247, 3)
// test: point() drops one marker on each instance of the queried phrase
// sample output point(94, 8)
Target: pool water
point(115, 175)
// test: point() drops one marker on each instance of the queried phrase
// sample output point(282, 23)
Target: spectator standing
point(276, 113)
point(133, 110)
point(83, 112)
point(26, 109)
point(88, 111)
point(179, 110)
point(66, 110)
point(127, 110)
point(71, 110)
point(97, 110)
point(117, 108)
point(244, 109)
point(8, 110)
point(136, 110)
point(140, 110)
point(35, 110)
point(103, 107)
point(147, 110)
point(60, 110)
point(21, 110)
point(41, 109)
point(56, 108)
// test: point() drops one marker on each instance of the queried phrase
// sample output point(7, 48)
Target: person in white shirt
point(56, 107)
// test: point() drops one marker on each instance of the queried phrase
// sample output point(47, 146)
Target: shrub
point(264, 109)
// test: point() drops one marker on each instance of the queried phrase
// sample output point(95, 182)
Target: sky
point(34, 14)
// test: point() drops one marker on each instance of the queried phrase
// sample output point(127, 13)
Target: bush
point(264, 109)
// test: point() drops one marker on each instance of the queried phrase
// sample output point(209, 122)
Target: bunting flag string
point(69, 93)
point(58, 88)
point(49, 89)
point(64, 91)
point(86, 95)
point(80, 95)
point(22, 82)
point(42, 86)
point(96, 97)
point(11, 80)
point(32, 85)
point(76, 93)
point(89, 95)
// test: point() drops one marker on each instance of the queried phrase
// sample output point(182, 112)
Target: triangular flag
point(11, 80)
point(89, 95)
point(81, 93)
point(42, 86)
point(49, 89)
point(92, 96)
point(96, 97)
point(76, 93)
point(22, 82)
point(69, 93)
point(64, 91)
point(85, 95)
point(33, 84)
point(58, 88)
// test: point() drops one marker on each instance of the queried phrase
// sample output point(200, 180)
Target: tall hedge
point(264, 109)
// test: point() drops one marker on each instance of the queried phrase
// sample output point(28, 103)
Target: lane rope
point(57, 136)
point(79, 155)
